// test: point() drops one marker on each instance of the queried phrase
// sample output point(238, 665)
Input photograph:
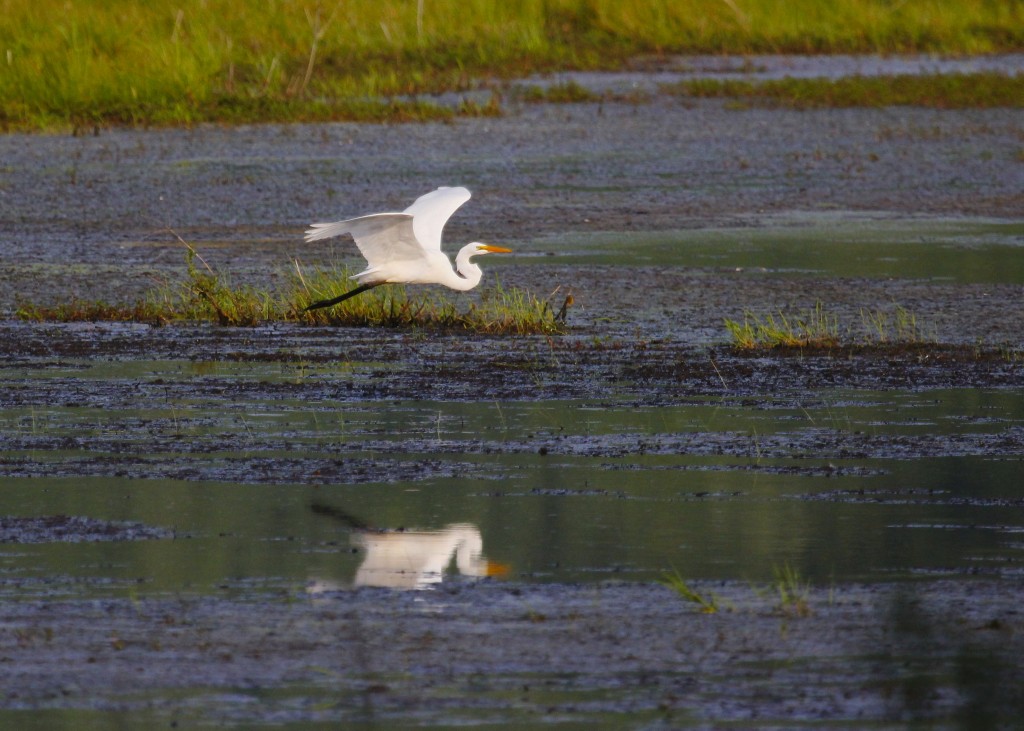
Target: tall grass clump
point(386, 306)
point(815, 328)
point(793, 592)
point(899, 325)
point(204, 294)
point(500, 310)
point(707, 603)
point(820, 329)
point(85, 62)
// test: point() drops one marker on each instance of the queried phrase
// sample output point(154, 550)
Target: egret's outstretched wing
point(383, 238)
point(431, 212)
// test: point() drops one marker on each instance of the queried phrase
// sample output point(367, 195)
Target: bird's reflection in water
point(411, 559)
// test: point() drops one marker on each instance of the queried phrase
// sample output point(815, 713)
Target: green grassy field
point(70, 63)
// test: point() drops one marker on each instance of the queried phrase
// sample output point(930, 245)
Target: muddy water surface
point(232, 460)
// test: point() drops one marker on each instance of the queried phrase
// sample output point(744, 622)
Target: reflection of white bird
point(406, 247)
point(410, 559)
point(417, 559)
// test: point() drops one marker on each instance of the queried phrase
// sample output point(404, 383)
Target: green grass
point(813, 329)
point(819, 329)
point(792, 591)
point(708, 604)
point(943, 91)
point(86, 62)
point(569, 92)
point(96, 311)
point(789, 588)
point(205, 295)
point(500, 310)
point(898, 325)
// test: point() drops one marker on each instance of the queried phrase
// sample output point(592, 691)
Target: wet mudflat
point(606, 655)
point(207, 523)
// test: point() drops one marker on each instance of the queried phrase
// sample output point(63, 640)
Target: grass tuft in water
point(569, 92)
point(898, 326)
point(792, 591)
point(818, 329)
point(814, 329)
point(204, 294)
point(77, 310)
point(707, 604)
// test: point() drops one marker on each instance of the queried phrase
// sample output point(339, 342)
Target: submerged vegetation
point(88, 63)
point(205, 295)
point(818, 329)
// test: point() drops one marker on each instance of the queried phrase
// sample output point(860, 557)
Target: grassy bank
point(83, 63)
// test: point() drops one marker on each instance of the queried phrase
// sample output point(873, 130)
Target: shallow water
point(961, 251)
point(264, 494)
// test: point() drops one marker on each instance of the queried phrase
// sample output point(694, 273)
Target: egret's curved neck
point(467, 274)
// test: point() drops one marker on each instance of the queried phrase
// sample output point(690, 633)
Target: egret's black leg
point(341, 298)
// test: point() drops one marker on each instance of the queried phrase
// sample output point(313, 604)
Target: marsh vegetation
point(76, 65)
point(942, 91)
point(204, 294)
point(818, 328)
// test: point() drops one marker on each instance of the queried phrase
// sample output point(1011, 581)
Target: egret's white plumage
point(406, 247)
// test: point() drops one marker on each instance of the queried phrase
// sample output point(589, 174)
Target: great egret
point(406, 247)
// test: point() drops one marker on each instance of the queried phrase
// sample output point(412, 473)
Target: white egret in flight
point(406, 247)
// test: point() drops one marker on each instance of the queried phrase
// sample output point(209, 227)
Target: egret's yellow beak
point(493, 249)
